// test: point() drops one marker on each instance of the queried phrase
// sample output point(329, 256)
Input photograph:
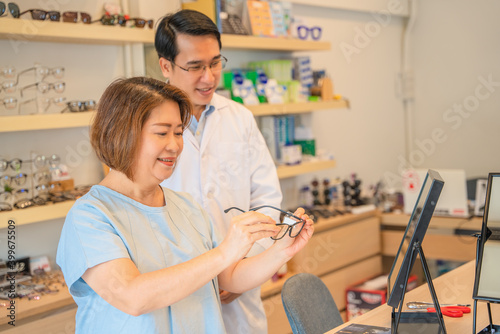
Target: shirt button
point(210, 195)
point(197, 133)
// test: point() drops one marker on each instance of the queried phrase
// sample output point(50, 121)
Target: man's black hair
point(186, 21)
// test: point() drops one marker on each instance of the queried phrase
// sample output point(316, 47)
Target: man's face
point(194, 51)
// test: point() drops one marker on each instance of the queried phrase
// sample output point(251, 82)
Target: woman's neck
point(150, 195)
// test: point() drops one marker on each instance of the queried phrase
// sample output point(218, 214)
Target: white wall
point(365, 58)
point(455, 48)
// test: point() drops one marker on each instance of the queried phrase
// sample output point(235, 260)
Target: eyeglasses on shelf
point(8, 86)
point(39, 162)
point(43, 87)
point(44, 71)
point(46, 102)
point(5, 206)
point(9, 102)
point(18, 179)
point(303, 32)
point(292, 224)
point(8, 71)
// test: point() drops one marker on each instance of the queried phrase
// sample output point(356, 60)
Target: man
point(225, 162)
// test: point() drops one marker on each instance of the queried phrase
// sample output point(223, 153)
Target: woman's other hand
point(292, 246)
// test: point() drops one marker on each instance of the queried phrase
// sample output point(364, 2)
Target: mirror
point(486, 285)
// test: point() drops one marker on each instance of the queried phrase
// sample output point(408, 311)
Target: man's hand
point(226, 297)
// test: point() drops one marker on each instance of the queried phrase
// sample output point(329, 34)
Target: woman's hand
point(244, 230)
point(292, 246)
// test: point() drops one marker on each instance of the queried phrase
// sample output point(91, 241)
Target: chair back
point(309, 305)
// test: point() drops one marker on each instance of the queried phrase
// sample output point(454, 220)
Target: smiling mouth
point(166, 160)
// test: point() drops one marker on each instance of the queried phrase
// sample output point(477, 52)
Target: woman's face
point(161, 143)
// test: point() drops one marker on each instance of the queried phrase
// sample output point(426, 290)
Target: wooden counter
point(446, 238)
point(453, 287)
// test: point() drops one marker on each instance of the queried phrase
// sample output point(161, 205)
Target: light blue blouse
point(105, 225)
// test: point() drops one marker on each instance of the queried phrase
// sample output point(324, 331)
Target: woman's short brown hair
point(122, 111)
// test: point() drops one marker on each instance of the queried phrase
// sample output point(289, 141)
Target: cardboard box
point(369, 294)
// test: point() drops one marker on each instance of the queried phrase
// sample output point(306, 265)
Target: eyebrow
point(168, 125)
point(199, 61)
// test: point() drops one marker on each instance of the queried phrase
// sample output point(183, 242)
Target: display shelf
point(305, 167)
point(45, 121)
point(63, 32)
point(35, 214)
point(242, 42)
point(25, 308)
point(265, 109)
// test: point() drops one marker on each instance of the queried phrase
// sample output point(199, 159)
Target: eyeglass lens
point(73, 17)
point(9, 103)
point(303, 32)
point(8, 71)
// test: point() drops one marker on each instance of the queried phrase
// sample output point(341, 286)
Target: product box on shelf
point(369, 294)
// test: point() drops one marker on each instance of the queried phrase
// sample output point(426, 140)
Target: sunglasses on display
point(111, 20)
point(78, 106)
point(73, 17)
point(141, 23)
point(36, 14)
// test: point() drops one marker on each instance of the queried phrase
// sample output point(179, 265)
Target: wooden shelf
point(242, 42)
point(35, 214)
point(45, 121)
point(63, 32)
point(47, 304)
point(305, 167)
point(72, 120)
point(265, 109)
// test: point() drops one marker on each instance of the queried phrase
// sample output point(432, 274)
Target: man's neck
point(198, 110)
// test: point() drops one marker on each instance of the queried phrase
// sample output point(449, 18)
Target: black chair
point(309, 306)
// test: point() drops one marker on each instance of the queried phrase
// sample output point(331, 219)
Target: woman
point(139, 258)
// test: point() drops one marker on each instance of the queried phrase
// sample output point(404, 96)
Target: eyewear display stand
point(486, 286)
point(414, 320)
point(491, 328)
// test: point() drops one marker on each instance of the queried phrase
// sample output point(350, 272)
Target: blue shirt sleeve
point(88, 238)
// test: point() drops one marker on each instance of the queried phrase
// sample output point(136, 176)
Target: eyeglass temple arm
point(26, 87)
point(22, 72)
point(231, 208)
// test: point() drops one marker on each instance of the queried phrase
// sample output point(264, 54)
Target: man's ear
point(166, 67)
